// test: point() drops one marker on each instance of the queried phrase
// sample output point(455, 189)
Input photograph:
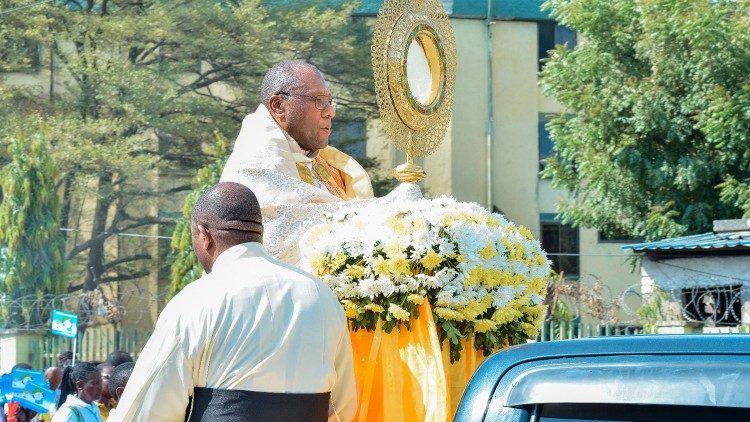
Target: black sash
point(213, 405)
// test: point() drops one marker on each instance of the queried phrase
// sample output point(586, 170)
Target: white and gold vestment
point(293, 187)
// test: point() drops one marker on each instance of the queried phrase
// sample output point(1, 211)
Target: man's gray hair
point(283, 77)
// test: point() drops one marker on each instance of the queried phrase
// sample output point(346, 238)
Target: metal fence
point(93, 345)
point(563, 330)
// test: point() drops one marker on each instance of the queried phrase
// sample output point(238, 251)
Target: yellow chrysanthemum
point(493, 222)
point(415, 299)
point(488, 252)
point(397, 224)
point(494, 278)
point(380, 266)
point(449, 314)
point(398, 312)
point(540, 260)
point(349, 308)
point(338, 261)
point(394, 250)
point(399, 266)
point(505, 315)
point(355, 271)
point(484, 325)
point(507, 243)
point(538, 285)
point(319, 264)
point(374, 307)
point(431, 260)
point(516, 280)
point(477, 307)
point(474, 277)
point(530, 330)
point(525, 232)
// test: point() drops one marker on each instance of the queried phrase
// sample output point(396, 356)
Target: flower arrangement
point(482, 275)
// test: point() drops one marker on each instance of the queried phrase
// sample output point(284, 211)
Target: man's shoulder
point(280, 272)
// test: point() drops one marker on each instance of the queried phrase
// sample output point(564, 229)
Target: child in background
point(119, 378)
point(106, 402)
point(85, 382)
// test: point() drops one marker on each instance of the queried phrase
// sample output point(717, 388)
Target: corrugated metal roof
point(726, 240)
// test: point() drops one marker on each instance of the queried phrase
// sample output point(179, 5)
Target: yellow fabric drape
point(404, 376)
point(400, 375)
point(458, 374)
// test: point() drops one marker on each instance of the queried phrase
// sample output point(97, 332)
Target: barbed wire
point(94, 308)
point(711, 306)
point(26, 6)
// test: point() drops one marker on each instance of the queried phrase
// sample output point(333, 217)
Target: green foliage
point(31, 245)
point(138, 88)
point(655, 310)
point(656, 141)
point(185, 266)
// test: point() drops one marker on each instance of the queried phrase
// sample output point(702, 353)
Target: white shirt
point(87, 412)
point(253, 324)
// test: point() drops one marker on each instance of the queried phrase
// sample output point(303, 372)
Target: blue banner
point(64, 324)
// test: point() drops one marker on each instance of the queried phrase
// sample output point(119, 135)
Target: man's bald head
point(225, 215)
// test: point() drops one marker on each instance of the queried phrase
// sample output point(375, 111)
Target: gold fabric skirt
point(404, 376)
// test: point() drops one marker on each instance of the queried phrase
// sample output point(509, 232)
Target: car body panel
point(689, 370)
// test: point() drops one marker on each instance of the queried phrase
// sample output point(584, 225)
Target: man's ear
point(118, 392)
point(277, 107)
point(205, 240)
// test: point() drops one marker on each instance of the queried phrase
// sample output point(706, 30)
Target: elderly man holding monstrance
point(282, 154)
point(448, 282)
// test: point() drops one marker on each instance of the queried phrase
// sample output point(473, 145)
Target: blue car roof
point(632, 360)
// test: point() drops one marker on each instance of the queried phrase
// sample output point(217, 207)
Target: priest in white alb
point(282, 154)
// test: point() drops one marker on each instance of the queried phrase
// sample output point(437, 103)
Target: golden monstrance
point(414, 62)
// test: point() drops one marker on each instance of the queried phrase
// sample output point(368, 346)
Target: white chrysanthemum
point(371, 287)
point(502, 296)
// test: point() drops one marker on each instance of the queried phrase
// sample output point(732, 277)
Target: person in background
point(81, 386)
point(119, 379)
point(53, 374)
point(14, 412)
point(118, 357)
point(106, 402)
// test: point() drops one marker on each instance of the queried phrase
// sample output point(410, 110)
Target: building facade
point(497, 142)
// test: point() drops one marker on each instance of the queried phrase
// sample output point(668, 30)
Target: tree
point(656, 138)
point(185, 265)
point(139, 87)
point(32, 249)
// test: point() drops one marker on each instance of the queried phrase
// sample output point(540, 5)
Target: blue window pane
point(565, 36)
point(550, 34)
point(546, 146)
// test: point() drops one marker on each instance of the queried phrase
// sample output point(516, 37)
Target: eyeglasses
point(321, 102)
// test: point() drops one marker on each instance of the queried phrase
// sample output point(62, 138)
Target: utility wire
point(150, 236)
point(26, 6)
